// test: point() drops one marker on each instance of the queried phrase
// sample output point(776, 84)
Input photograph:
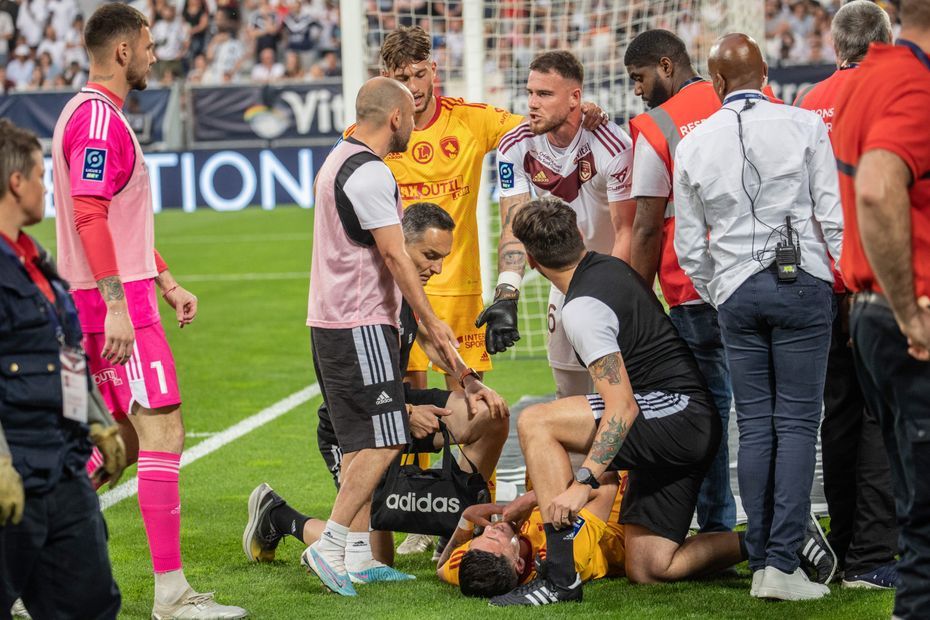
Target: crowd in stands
point(797, 32)
point(201, 41)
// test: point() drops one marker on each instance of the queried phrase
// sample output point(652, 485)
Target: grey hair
point(421, 216)
point(855, 26)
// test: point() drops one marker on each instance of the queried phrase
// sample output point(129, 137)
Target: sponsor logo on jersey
point(409, 502)
point(471, 341)
point(622, 177)
point(383, 399)
point(108, 374)
point(422, 152)
point(505, 172)
point(454, 187)
point(583, 150)
point(540, 177)
point(95, 163)
point(449, 146)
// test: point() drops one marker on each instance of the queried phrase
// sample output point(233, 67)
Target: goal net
point(483, 50)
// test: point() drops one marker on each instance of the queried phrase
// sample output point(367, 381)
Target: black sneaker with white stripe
point(817, 557)
point(538, 592)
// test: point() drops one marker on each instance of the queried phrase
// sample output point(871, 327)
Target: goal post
point(483, 49)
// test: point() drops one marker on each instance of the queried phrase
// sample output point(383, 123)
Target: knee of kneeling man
point(532, 420)
point(641, 573)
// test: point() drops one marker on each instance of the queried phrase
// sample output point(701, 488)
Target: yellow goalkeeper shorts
point(459, 312)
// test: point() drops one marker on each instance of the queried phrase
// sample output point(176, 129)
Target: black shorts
point(667, 453)
point(329, 445)
point(357, 370)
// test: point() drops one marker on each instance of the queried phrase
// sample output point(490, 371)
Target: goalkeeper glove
point(12, 496)
point(111, 446)
point(501, 319)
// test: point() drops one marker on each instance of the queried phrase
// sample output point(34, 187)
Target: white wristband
point(510, 278)
point(465, 524)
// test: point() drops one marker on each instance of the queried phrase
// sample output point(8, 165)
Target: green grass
point(248, 348)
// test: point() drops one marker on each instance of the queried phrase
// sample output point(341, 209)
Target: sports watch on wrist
point(584, 476)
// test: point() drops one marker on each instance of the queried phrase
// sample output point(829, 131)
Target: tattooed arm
point(620, 410)
point(510, 253)
point(117, 326)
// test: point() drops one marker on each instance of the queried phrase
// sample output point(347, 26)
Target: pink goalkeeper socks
point(160, 504)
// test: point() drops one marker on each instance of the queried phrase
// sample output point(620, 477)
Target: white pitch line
point(236, 277)
point(217, 441)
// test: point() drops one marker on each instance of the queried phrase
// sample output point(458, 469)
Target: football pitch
point(248, 351)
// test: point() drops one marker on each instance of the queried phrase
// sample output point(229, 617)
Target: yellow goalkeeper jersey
point(443, 164)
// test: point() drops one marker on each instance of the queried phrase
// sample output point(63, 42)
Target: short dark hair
point(548, 229)
point(17, 147)
point(651, 46)
point(110, 22)
point(559, 61)
point(855, 26)
point(404, 46)
point(484, 574)
point(421, 216)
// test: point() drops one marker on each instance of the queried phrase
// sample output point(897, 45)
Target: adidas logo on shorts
point(384, 399)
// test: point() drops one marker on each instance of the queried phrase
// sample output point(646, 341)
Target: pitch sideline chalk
point(217, 441)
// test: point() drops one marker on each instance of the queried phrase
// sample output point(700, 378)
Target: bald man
point(358, 274)
point(761, 178)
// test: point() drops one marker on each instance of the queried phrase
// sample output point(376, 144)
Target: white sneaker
point(789, 586)
point(756, 582)
point(19, 610)
point(197, 605)
point(415, 543)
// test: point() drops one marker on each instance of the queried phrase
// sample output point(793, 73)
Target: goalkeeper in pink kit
point(106, 250)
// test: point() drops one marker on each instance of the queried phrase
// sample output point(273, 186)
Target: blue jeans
point(777, 337)
point(697, 325)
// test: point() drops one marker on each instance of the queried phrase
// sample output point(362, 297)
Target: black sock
point(288, 521)
point(560, 555)
point(743, 551)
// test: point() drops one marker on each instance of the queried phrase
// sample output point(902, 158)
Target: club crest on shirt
point(584, 170)
point(449, 146)
point(95, 161)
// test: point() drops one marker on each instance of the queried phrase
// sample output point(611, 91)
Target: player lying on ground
point(504, 554)
point(477, 417)
point(651, 416)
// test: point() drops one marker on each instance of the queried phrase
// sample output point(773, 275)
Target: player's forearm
point(165, 281)
point(883, 210)
point(511, 255)
point(427, 345)
point(622, 215)
point(620, 410)
point(111, 289)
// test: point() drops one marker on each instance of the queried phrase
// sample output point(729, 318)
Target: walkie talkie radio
point(788, 254)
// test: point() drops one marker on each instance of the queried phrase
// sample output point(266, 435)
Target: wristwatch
point(584, 476)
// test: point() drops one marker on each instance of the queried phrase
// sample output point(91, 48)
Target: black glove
point(501, 319)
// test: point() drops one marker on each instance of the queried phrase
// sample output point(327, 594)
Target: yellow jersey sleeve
point(449, 572)
point(495, 122)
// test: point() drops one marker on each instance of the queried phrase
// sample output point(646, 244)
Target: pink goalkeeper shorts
point(148, 378)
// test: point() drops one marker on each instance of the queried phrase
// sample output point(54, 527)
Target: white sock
point(358, 552)
point(170, 586)
point(332, 545)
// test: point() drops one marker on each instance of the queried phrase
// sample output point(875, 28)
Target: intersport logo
point(409, 502)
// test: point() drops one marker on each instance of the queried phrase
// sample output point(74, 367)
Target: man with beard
point(106, 251)
point(588, 169)
point(359, 271)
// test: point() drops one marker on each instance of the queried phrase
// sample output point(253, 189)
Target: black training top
point(408, 333)
point(609, 308)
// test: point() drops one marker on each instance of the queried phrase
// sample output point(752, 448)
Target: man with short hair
point(882, 144)
point(650, 415)
point(679, 99)
point(495, 547)
point(856, 474)
point(53, 541)
point(476, 416)
point(106, 251)
point(359, 271)
point(757, 220)
point(553, 154)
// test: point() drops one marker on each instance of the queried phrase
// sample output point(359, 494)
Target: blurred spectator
point(50, 70)
point(74, 44)
point(19, 70)
point(61, 15)
point(198, 70)
point(264, 27)
point(228, 16)
point(197, 17)
point(5, 85)
point(32, 14)
point(331, 65)
point(52, 45)
point(225, 56)
point(293, 68)
point(73, 76)
point(302, 30)
point(267, 69)
point(7, 29)
point(170, 34)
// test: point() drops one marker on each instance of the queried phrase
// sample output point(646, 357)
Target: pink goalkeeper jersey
point(350, 285)
point(95, 153)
